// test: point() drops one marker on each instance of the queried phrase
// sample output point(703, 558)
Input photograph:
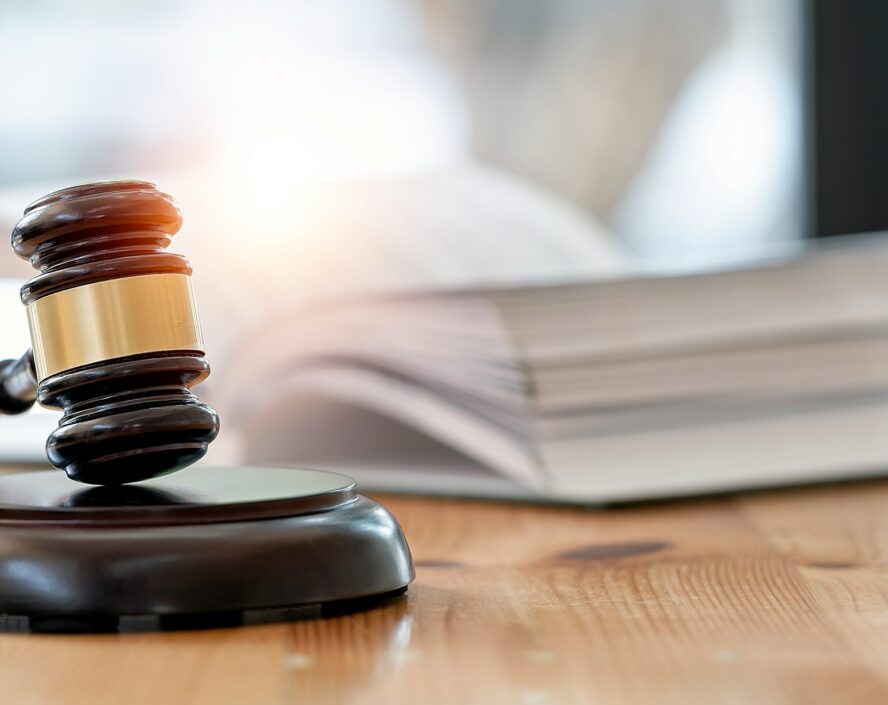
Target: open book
point(523, 356)
point(626, 388)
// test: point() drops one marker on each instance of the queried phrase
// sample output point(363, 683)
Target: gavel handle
point(18, 384)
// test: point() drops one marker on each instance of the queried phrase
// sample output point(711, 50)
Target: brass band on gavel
point(113, 319)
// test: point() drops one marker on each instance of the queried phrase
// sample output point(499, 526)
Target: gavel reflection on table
point(116, 345)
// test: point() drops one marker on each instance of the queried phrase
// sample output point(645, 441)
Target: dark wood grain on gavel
point(130, 417)
point(18, 384)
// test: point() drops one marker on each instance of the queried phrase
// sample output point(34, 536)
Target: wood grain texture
point(769, 598)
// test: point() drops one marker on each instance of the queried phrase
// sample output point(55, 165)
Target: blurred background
point(686, 131)
point(676, 126)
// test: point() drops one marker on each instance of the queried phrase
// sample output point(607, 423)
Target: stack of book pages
point(627, 388)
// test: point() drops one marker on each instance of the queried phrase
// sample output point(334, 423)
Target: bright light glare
point(308, 120)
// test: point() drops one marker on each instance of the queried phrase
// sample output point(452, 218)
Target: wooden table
point(763, 598)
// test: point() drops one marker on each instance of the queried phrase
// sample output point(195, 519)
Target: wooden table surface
point(763, 598)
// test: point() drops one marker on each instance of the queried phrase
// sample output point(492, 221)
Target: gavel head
point(114, 331)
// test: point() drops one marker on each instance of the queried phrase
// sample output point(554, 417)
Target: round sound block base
point(198, 548)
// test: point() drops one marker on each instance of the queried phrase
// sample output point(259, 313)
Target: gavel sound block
point(116, 345)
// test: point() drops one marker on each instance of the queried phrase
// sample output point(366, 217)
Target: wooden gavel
point(115, 338)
